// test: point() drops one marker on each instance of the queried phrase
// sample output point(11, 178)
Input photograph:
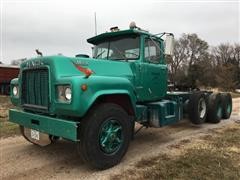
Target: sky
point(56, 27)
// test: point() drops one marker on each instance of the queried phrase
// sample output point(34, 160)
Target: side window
point(132, 53)
point(152, 51)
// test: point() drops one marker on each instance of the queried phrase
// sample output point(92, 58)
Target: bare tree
point(226, 77)
point(227, 65)
point(222, 53)
point(236, 53)
point(194, 63)
point(178, 57)
point(190, 50)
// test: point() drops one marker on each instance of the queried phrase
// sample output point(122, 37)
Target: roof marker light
point(114, 29)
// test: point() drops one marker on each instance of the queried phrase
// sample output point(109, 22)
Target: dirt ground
point(21, 160)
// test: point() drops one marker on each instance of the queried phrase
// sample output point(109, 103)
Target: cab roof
point(101, 37)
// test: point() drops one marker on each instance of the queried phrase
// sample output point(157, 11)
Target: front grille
point(35, 89)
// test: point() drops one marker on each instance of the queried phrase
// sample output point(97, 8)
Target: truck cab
point(145, 55)
point(96, 101)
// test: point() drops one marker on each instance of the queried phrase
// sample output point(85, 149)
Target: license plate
point(34, 134)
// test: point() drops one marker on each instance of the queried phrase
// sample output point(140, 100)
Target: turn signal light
point(84, 87)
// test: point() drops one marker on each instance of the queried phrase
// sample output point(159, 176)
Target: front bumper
point(49, 125)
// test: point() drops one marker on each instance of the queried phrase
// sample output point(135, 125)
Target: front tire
point(105, 134)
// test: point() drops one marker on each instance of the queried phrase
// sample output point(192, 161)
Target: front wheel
point(105, 134)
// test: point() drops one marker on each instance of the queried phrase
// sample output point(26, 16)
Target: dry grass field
point(6, 128)
point(212, 156)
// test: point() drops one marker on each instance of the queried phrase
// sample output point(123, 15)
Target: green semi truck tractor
point(96, 101)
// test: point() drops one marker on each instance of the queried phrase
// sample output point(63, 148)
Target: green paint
point(165, 111)
point(110, 136)
point(108, 35)
point(45, 124)
point(140, 80)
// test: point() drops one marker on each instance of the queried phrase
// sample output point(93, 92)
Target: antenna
point(95, 20)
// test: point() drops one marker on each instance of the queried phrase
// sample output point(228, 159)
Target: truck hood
point(61, 66)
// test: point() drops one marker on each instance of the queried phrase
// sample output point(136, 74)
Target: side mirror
point(169, 44)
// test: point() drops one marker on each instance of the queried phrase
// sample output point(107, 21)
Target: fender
point(102, 85)
point(96, 86)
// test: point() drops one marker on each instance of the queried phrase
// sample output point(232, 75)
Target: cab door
point(153, 71)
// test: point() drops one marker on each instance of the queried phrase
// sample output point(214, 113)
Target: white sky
point(63, 26)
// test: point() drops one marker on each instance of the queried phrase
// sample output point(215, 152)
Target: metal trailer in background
point(7, 73)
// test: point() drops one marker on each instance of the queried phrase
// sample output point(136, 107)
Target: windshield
point(121, 48)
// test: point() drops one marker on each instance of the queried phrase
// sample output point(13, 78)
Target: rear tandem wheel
point(226, 99)
point(197, 108)
point(214, 113)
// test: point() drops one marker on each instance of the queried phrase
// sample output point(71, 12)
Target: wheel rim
point(202, 108)
point(110, 136)
point(219, 112)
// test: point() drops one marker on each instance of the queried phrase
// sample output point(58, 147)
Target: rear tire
point(105, 133)
point(197, 108)
point(214, 113)
point(226, 99)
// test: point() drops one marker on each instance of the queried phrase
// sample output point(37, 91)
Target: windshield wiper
point(100, 54)
point(121, 53)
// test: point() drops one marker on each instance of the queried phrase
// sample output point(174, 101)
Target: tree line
point(196, 64)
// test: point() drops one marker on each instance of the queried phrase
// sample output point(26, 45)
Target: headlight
point(15, 90)
point(68, 93)
point(64, 93)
